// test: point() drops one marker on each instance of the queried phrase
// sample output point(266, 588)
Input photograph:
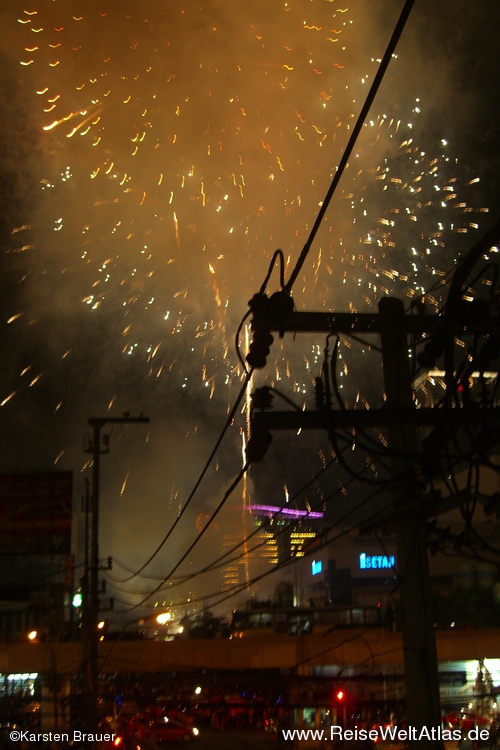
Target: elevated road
point(341, 647)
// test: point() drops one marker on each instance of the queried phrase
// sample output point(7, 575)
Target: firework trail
point(174, 148)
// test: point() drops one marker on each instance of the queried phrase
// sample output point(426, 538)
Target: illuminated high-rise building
point(282, 533)
point(262, 551)
point(288, 530)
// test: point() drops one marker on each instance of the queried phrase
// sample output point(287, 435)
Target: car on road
point(166, 730)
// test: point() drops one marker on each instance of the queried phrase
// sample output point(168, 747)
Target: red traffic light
point(339, 695)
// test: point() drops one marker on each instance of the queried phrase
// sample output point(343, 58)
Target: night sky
point(154, 156)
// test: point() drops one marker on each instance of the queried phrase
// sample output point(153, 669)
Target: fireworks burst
point(180, 146)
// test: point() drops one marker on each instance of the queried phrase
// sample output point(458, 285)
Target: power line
point(290, 560)
point(228, 423)
point(238, 588)
point(278, 255)
point(218, 563)
point(354, 476)
point(196, 540)
point(266, 522)
point(222, 561)
point(398, 30)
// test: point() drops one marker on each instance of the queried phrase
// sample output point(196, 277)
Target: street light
point(163, 618)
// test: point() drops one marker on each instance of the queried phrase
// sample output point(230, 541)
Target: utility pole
point(90, 613)
point(410, 507)
point(419, 641)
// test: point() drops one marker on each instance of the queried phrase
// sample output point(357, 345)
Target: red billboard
point(35, 513)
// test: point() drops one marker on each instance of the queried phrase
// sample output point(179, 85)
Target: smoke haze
point(154, 156)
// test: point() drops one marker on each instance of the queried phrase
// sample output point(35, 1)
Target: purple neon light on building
point(292, 512)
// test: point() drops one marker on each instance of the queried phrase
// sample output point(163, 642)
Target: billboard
point(35, 513)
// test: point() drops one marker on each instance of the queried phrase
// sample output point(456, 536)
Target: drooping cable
point(238, 588)
point(237, 341)
point(452, 304)
point(227, 424)
point(196, 540)
point(218, 563)
point(222, 560)
point(277, 255)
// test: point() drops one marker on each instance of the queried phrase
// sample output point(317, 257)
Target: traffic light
point(339, 695)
